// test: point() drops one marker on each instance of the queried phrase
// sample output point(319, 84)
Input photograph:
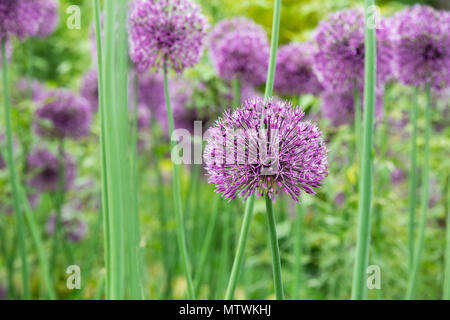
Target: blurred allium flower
point(339, 107)
point(422, 46)
point(143, 118)
point(20, 18)
point(22, 87)
point(171, 30)
point(243, 160)
point(50, 17)
point(73, 227)
point(62, 114)
point(239, 48)
point(43, 167)
point(294, 72)
point(398, 176)
point(339, 57)
point(151, 94)
point(339, 199)
point(89, 88)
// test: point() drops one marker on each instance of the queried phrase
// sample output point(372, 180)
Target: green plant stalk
point(251, 200)
point(414, 275)
point(446, 293)
point(366, 172)
point(298, 239)
point(236, 83)
point(26, 294)
point(181, 235)
point(276, 263)
point(412, 182)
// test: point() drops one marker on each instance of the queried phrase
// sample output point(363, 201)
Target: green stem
point(298, 239)
point(236, 92)
point(26, 294)
point(276, 263)
point(366, 172)
point(414, 275)
point(412, 181)
point(446, 293)
point(177, 195)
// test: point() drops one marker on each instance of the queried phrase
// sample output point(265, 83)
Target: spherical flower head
point(294, 72)
point(422, 46)
point(166, 30)
point(240, 49)
point(63, 114)
point(243, 158)
point(339, 107)
point(19, 18)
point(43, 167)
point(49, 10)
point(339, 56)
point(89, 88)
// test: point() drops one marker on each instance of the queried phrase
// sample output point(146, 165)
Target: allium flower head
point(422, 46)
point(239, 48)
point(62, 114)
point(339, 57)
point(170, 30)
point(244, 159)
point(43, 168)
point(23, 85)
point(50, 17)
point(294, 72)
point(89, 88)
point(339, 107)
point(19, 18)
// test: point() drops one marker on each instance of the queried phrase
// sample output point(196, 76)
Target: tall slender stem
point(177, 195)
point(366, 172)
point(13, 178)
point(276, 263)
point(418, 249)
point(412, 182)
point(446, 293)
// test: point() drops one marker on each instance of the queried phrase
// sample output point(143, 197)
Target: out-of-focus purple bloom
point(74, 228)
point(63, 114)
point(398, 176)
point(339, 107)
point(36, 89)
point(294, 72)
point(293, 159)
point(49, 17)
point(339, 57)
point(166, 30)
point(422, 46)
point(89, 88)
point(239, 49)
point(43, 167)
point(339, 199)
point(143, 118)
point(20, 18)
point(151, 94)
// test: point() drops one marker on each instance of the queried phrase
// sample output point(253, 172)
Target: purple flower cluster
point(339, 57)
point(49, 17)
point(166, 30)
point(43, 167)
point(294, 72)
point(244, 159)
point(62, 114)
point(151, 94)
point(22, 87)
point(89, 88)
point(422, 46)
point(73, 227)
point(239, 48)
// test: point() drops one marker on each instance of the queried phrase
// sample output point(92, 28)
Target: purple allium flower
point(63, 114)
point(339, 107)
point(19, 18)
point(294, 72)
point(339, 57)
point(422, 46)
point(239, 48)
point(43, 167)
point(241, 159)
point(89, 88)
point(49, 17)
point(170, 30)
point(73, 227)
point(143, 118)
point(435, 193)
point(22, 87)
point(151, 94)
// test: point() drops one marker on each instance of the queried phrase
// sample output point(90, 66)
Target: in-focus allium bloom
point(74, 227)
point(170, 30)
point(49, 17)
point(244, 159)
point(239, 48)
point(339, 56)
point(294, 73)
point(43, 167)
point(89, 88)
point(19, 18)
point(63, 114)
point(339, 107)
point(422, 46)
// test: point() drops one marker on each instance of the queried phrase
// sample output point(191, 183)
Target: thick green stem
point(418, 248)
point(276, 262)
point(177, 195)
point(13, 178)
point(366, 172)
point(298, 239)
point(412, 182)
point(446, 293)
